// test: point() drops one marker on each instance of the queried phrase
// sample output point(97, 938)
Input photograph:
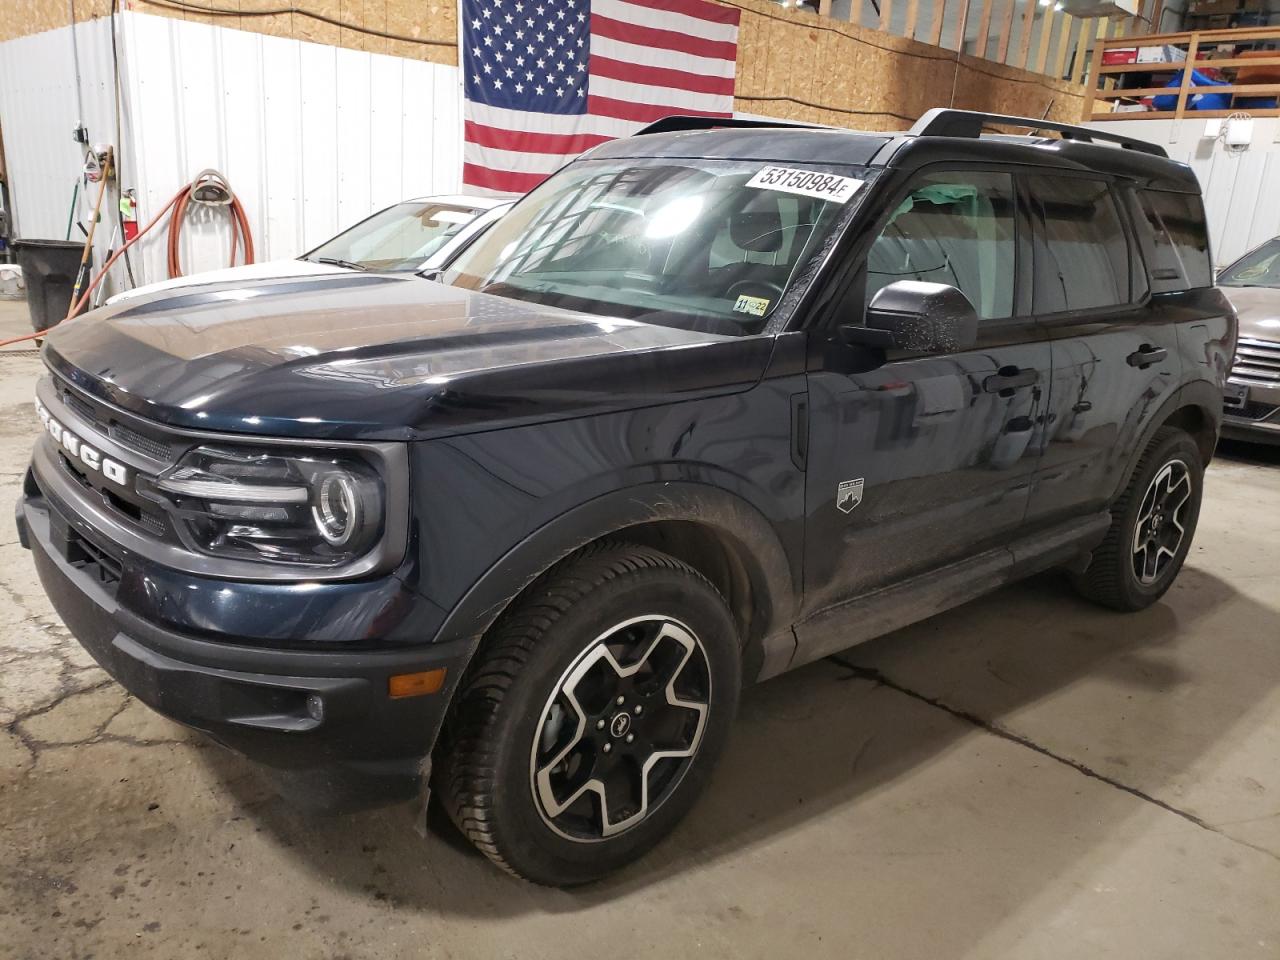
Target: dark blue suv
point(710, 403)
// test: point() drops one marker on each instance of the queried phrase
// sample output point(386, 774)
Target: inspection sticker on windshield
point(808, 183)
point(756, 306)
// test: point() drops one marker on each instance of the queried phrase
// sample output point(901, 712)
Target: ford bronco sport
point(708, 404)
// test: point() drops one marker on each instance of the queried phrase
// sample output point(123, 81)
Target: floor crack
point(875, 676)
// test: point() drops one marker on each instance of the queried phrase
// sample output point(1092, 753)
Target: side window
point(1083, 263)
point(955, 228)
point(1178, 238)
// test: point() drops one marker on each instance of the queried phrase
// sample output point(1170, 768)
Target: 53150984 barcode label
point(808, 183)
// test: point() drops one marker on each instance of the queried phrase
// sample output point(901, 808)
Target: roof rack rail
point(678, 123)
point(946, 122)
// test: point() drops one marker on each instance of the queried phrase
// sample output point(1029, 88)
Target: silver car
point(415, 236)
point(1252, 394)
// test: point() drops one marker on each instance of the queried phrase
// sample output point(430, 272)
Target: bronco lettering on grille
point(77, 449)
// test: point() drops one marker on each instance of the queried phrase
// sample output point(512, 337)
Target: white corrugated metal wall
point(38, 115)
point(1241, 189)
point(311, 137)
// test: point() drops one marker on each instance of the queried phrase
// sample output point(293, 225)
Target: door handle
point(1008, 379)
point(1146, 355)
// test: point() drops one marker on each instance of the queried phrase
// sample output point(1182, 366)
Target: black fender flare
point(1202, 394)
point(774, 585)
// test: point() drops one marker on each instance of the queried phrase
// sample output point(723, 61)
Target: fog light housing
point(315, 708)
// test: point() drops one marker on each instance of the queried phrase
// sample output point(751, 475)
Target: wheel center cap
point(620, 724)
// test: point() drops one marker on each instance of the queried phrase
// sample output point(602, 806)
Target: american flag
point(548, 79)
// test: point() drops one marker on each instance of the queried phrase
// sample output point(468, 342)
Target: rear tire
point(1152, 525)
point(592, 716)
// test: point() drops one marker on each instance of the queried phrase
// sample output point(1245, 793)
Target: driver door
point(916, 461)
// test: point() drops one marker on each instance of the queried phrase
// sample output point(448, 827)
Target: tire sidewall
point(1177, 446)
point(530, 845)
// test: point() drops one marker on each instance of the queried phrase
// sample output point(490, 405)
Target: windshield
point(1261, 268)
point(398, 238)
point(711, 245)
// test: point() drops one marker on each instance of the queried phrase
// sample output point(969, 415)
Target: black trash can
point(49, 270)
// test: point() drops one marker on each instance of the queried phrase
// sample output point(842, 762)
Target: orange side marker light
point(415, 684)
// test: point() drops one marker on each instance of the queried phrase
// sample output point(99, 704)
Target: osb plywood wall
point(791, 64)
point(983, 85)
point(417, 29)
point(799, 66)
point(19, 18)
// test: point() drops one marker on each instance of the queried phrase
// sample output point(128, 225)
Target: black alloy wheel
point(592, 716)
point(621, 728)
point(1152, 525)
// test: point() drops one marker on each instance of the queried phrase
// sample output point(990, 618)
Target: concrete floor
point(1024, 777)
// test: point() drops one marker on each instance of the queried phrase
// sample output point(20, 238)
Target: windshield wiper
point(336, 262)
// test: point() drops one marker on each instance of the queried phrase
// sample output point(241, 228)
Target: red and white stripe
point(649, 59)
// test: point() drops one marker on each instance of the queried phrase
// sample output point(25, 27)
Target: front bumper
point(1255, 416)
point(323, 718)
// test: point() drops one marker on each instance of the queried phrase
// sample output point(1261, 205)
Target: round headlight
point(337, 511)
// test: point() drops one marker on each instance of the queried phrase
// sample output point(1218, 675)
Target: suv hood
point(1258, 309)
point(245, 273)
point(380, 357)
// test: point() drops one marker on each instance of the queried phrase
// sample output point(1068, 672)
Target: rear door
point(918, 460)
point(1115, 351)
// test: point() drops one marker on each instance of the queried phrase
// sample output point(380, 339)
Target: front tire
point(1152, 525)
point(593, 715)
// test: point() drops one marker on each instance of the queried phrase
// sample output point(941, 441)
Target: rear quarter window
point(1082, 262)
point(1175, 240)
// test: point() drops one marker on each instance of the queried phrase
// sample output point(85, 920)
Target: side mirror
point(917, 316)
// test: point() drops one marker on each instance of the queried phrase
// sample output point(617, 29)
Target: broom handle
point(88, 240)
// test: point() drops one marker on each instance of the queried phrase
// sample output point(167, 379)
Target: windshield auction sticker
point(807, 183)
point(756, 306)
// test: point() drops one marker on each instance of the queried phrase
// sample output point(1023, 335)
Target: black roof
point(943, 135)
point(791, 144)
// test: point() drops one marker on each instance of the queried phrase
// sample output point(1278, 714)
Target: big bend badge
point(849, 494)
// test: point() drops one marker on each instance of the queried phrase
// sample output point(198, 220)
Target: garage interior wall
point(317, 125)
point(791, 63)
point(819, 70)
point(38, 106)
point(1238, 185)
point(312, 137)
point(428, 29)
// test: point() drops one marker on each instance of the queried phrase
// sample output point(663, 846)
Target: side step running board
point(891, 608)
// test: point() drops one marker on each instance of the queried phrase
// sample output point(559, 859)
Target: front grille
point(1257, 360)
point(145, 445)
point(144, 448)
point(134, 513)
point(154, 524)
point(80, 406)
point(106, 420)
point(1251, 410)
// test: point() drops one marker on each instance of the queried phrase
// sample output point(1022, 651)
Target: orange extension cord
point(178, 204)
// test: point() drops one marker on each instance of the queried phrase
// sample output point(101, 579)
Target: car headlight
point(316, 508)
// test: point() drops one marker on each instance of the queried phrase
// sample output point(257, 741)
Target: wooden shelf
point(1192, 42)
point(1186, 115)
